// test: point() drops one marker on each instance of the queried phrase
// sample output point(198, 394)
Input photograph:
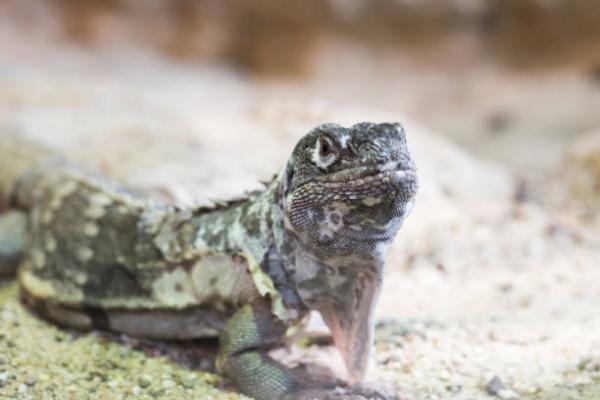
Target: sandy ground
point(489, 278)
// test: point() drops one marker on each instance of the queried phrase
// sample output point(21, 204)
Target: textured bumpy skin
point(91, 254)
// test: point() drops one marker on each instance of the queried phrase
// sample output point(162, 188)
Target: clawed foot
point(320, 383)
point(339, 393)
point(317, 376)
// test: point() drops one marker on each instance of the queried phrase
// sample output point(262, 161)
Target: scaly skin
point(93, 255)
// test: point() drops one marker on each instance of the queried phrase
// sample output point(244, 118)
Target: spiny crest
point(221, 205)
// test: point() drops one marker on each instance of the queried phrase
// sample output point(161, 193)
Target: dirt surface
point(492, 286)
point(40, 361)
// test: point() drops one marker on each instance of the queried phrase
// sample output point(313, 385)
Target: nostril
point(407, 165)
point(406, 184)
point(403, 178)
point(351, 148)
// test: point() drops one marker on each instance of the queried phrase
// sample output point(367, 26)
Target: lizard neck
point(252, 228)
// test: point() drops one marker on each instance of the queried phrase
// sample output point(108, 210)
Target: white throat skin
point(345, 291)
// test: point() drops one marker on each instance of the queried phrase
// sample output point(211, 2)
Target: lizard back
point(92, 244)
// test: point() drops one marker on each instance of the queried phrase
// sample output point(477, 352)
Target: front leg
point(243, 348)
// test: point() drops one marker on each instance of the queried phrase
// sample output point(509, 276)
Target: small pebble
point(168, 384)
point(496, 387)
point(30, 380)
point(4, 376)
point(454, 388)
point(188, 382)
point(144, 381)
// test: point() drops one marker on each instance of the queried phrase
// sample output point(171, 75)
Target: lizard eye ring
point(325, 152)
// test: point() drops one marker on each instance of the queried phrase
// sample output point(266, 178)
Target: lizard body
point(94, 255)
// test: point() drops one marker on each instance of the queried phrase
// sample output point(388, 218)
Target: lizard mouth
point(363, 180)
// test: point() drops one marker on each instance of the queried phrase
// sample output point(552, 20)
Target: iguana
point(94, 255)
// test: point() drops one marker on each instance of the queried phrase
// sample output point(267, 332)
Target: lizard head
point(346, 192)
point(348, 189)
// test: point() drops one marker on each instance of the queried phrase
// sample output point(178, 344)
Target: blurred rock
point(496, 387)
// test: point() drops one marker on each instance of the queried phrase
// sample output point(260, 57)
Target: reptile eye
point(325, 152)
point(325, 149)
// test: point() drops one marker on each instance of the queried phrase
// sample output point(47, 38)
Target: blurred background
point(497, 76)
point(492, 287)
